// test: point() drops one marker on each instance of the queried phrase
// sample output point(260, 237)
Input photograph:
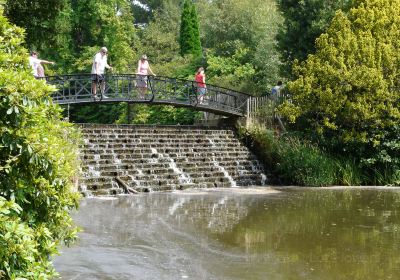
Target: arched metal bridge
point(74, 89)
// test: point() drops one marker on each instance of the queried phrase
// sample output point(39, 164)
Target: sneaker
point(105, 96)
point(94, 97)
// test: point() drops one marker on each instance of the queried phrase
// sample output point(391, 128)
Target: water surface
point(238, 234)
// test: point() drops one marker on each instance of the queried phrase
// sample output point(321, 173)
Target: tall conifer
point(189, 33)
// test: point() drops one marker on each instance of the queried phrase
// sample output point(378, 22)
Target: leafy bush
point(38, 161)
point(347, 94)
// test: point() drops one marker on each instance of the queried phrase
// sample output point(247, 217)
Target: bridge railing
point(161, 90)
point(262, 111)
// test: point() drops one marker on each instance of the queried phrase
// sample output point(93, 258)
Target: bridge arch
point(76, 89)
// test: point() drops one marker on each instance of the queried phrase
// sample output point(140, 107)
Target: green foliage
point(38, 27)
point(161, 115)
point(159, 40)
point(227, 26)
point(304, 22)
point(233, 71)
point(189, 39)
point(305, 164)
point(292, 161)
point(94, 24)
point(103, 23)
point(38, 161)
point(96, 113)
point(144, 11)
point(347, 95)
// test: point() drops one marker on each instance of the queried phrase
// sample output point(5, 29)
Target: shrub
point(347, 94)
point(38, 160)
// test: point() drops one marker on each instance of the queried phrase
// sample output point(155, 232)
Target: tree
point(189, 39)
point(103, 23)
point(95, 24)
point(304, 21)
point(347, 93)
point(229, 26)
point(46, 24)
point(38, 161)
point(144, 10)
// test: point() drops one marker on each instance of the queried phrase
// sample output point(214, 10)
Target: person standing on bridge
point(200, 79)
point(98, 68)
point(142, 72)
point(36, 64)
point(276, 91)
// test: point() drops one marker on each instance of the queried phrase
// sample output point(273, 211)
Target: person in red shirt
point(200, 79)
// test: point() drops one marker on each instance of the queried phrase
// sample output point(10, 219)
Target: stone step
point(158, 131)
point(143, 165)
point(164, 134)
point(109, 182)
point(162, 151)
point(238, 161)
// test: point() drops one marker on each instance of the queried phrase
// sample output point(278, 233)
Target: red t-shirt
point(199, 79)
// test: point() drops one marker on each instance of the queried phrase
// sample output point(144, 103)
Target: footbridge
point(74, 89)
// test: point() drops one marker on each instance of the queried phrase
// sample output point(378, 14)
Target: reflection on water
point(232, 234)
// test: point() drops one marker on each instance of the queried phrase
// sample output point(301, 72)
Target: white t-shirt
point(34, 63)
point(101, 61)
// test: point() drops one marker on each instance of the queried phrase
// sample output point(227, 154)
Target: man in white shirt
point(35, 63)
point(99, 65)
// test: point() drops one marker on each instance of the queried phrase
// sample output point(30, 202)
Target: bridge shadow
point(76, 89)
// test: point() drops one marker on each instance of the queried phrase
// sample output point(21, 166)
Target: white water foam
point(223, 170)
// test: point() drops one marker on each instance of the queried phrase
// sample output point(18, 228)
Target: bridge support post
point(129, 113)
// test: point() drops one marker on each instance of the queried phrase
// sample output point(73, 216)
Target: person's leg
point(141, 93)
point(140, 84)
point(202, 92)
point(103, 88)
point(94, 86)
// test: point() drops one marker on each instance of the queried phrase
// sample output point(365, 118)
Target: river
point(256, 233)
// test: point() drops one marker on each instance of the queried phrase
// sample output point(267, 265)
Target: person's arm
point(204, 80)
point(108, 66)
point(151, 71)
point(42, 61)
point(138, 68)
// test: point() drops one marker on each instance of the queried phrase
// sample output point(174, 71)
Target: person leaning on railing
point(143, 69)
point(200, 79)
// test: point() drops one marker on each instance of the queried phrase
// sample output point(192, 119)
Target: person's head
point(34, 53)
point(201, 69)
point(279, 83)
point(103, 51)
point(143, 58)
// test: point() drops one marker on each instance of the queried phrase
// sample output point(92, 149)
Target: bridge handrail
point(76, 88)
point(165, 77)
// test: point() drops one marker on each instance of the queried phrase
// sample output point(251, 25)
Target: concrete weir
point(127, 158)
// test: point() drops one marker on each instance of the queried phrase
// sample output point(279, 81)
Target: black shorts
point(98, 78)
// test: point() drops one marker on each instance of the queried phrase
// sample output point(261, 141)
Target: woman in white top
point(142, 72)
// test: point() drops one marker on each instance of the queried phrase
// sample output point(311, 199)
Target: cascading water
point(163, 158)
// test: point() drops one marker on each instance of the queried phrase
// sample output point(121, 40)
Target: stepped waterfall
point(117, 158)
